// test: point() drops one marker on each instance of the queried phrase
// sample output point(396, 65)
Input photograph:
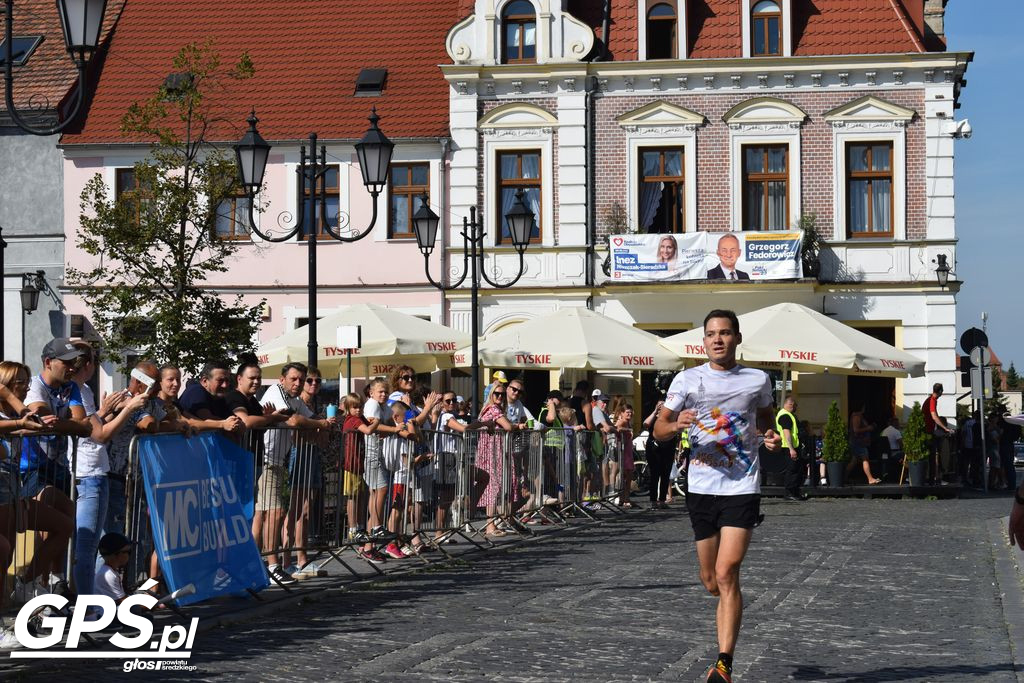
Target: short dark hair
point(246, 361)
point(582, 384)
point(301, 367)
point(212, 365)
point(723, 313)
point(937, 388)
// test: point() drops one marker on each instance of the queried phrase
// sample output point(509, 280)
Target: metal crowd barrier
point(37, 506)
point(324, 494)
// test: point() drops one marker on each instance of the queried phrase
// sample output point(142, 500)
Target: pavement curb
point(1009, 578)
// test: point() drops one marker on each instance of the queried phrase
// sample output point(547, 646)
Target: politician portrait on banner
point(732, 256)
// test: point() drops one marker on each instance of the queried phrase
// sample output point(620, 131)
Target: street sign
point(976, 384)
point(980, 355)
point(971, 338)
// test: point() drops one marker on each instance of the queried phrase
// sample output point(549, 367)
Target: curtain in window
point(673, 163)
point(529, 34)
point(755, 207)
point(508, 166)
point(858, 205)
point(881, 196)
point(650, 200)
point(776, 206)
point(532, 198)
point(531, 166)
point(400, 214)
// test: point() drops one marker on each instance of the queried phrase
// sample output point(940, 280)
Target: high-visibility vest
point(794, 431)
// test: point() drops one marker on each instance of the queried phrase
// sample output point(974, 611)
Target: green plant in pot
point(835, 447)
point(916, 446)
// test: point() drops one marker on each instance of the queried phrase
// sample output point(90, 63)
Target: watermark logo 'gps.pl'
point(175, 642)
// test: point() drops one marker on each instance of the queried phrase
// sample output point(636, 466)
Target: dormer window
point(519, 24)
point(661, 31)
point(766, 29)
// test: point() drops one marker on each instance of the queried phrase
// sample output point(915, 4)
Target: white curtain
point(881, 195)
point(859, 206)
point(533, 201)
point(755, 207)
point(650, 200)
point(508, 196)
point(776, 206)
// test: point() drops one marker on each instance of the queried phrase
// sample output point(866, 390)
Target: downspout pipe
point(442, 210)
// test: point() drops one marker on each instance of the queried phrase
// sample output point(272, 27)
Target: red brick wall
point(713, 197)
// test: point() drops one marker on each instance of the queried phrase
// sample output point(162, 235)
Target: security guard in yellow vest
point(786, 424)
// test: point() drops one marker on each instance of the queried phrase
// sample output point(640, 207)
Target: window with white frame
point(662, 24)
point(519, 32)
point(869, 168)
point(869, 189)
point(661, 191)
point(767, 28)
point(518, 169)
point(765, 187)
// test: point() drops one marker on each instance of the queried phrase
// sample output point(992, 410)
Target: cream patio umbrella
point(388, 337)
point(793, 337)
point(572, 338)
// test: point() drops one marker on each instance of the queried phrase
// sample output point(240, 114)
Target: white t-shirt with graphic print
point(723, 440)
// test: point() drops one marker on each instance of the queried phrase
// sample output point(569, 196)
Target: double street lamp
point(374, 152)
point(81, 22)
point(520, 222)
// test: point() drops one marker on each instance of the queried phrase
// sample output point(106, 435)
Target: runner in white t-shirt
point(723, 405)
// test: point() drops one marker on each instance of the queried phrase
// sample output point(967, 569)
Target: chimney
point(934, 20)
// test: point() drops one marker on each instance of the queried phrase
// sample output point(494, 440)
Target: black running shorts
point(709, 513)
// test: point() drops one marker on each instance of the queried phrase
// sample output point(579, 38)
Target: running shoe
point(360, 536)
point(392, 550)
point(382, 535)
point(278, 576)
point(372, 556)
point(719, 673)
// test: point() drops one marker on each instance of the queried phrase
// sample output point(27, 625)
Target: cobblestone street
point(836, 590)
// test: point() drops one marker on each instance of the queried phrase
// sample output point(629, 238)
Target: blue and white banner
point(200, 495)
point(707, 256)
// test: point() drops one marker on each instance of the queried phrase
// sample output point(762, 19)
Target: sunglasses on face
point(515, 389)
point(448, 400)
point(406, 378)
point(313, 380)
point(497, 393)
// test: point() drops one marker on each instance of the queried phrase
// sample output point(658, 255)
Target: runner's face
point(720, 341)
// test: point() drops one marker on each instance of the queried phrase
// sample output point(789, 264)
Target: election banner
point(200, 495)
point(734, 256)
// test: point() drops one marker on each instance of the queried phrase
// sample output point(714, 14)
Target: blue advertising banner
point(200, 495)
point(736, 256)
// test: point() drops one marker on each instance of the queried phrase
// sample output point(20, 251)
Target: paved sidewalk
point(836, 590)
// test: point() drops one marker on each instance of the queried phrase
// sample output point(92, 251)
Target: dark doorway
point(535, 386)
point(876, 394)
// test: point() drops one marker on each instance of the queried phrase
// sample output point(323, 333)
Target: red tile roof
point(49, 74)
point(306, 53)
point(824, 27)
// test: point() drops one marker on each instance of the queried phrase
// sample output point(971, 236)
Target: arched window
point(661, 31)
point(519, 27)
point(766, 29)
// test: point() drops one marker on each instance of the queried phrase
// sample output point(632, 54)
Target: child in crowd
point(397, 451)
point(376, 475)
point(354, 431)
point(115, 549)
point(624, 426)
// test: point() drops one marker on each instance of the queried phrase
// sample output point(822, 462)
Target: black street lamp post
point(374, 153)
point(520, 221)
point(81, 22)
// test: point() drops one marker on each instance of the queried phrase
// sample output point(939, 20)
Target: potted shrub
point(810, 250)
point(835, 447)
point(916, 446)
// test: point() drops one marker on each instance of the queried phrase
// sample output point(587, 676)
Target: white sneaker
point(8, 641)
point(550, 500)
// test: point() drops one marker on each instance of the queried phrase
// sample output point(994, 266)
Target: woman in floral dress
point(490, 453)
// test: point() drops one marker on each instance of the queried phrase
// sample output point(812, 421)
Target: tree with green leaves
point(155, 245)
point(1012, 378)
point(835, 446)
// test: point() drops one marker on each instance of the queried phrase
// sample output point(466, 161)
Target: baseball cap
point(459, 399)
point(500, 376)
point(598, 395)
point(61, 348)
point(112, 542)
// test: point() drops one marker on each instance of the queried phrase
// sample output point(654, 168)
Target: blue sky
point(988, 171)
